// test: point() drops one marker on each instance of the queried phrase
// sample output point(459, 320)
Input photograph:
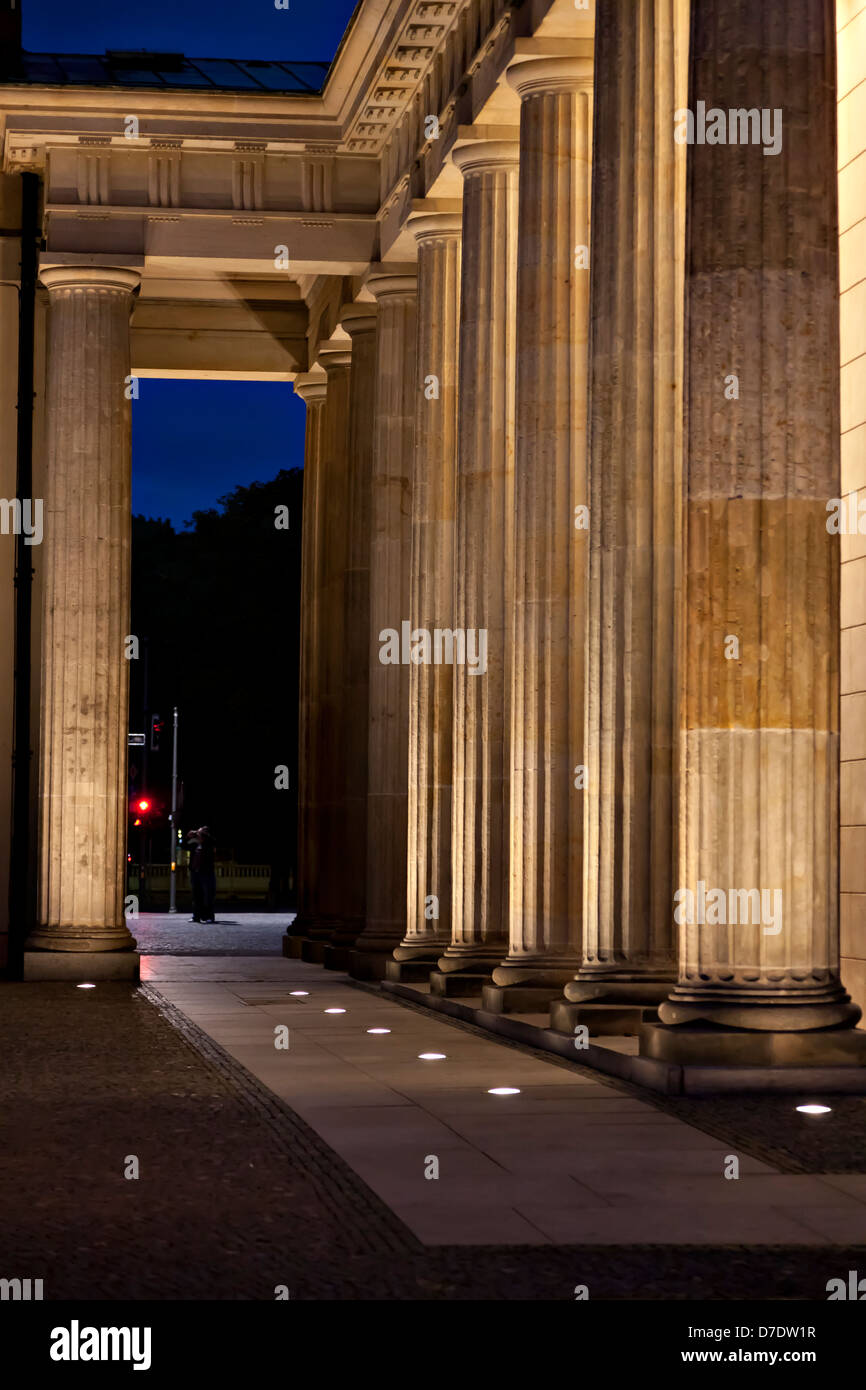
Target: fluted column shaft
point(312, 388)
point(86, 576)
point(550, 553)
point(431, 588)
point(635, 481)
point(388, 745)
point(359, 321)
point(331, 732)
point(484, 558)
point(759, 741)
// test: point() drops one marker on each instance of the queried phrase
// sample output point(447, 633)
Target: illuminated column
point(359, 321)
point(550, 550)
point(484, 564)
point(635, 481)
point(431, 602)
point(330, 727)
point(85, 630)
point(759, 743)
point(390, 543)
point(312, 388)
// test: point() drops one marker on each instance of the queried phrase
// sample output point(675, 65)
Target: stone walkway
point(260, 1167)
point(570, 1159)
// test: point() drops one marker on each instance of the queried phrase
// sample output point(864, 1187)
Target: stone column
point(335, 357)
point(550, 551)
point(85, 555)
point(759, 742)
point(312, 388)
point(635, 481)
point(359, 321)
point(484, 565)
point(431, 598)
point(390, 543)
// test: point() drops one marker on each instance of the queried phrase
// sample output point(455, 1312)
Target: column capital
point(482, 156)
point(548, 76)
point(336, 352)
point(434, 226)
point(121, 278)
point(402, 284)
point(358, 318)
point(312, 387)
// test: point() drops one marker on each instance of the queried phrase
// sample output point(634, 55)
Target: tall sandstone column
point(759, 735)
point(312, 388)
point(431, 600)
point(359, 321)
point(635, 482)
point(390, 546)
point(550, 551)
point(330, 725)
point(85, 670)
point(484, 564)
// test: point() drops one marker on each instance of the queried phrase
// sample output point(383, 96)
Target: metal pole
point(172, 889)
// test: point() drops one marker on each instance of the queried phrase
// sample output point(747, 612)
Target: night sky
point(194, 441)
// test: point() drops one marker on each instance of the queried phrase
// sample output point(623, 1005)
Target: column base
point(68, 939)
point(408, 972)
point(593, 987)
point(324, 929)
point(728, 1047)
point(293, 945)
point(81, 966)
point(337, 957)
point(554, 972)
point(420, 949)
point(603, 1020)
point(457, 984)
point(473, 960)
point(519, 999)
point(313, 950)
point(365, 964)
point(766, 1009)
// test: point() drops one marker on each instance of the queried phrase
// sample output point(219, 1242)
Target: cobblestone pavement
point(232, 934)
point(237, 1195)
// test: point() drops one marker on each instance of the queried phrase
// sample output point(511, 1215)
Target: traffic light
point(142, 805)
point(155, 731)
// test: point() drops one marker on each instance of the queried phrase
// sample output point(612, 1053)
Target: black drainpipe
point(19, 875)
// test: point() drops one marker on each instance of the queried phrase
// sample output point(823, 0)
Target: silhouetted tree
point(219, 606)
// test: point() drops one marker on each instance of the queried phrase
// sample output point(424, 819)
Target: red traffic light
point(143, 804)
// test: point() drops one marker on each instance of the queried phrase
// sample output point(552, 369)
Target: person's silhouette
point(202, 874)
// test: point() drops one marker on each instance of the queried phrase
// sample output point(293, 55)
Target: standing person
point(207, 871)
point(202, 874)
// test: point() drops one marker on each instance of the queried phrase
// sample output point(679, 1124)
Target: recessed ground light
point(813, 1109)
point(85, 986)
point(335, 1011)
point(378, 1030)
point(431, 1056)
point(296, 993)
point(504, 1091)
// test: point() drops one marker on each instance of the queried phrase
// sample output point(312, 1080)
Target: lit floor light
point(335, 1011)
point(85, 986)
point(504, 1091)
point(298, 993)
point(378, 1030)
point(431, 1056)
point(813, 1109)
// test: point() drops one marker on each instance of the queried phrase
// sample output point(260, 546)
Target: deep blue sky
point(309, 30)
point(193, 441)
